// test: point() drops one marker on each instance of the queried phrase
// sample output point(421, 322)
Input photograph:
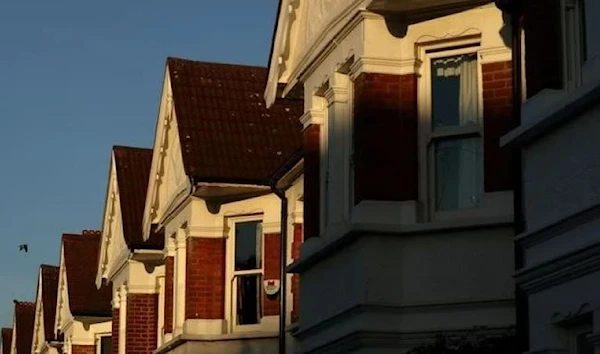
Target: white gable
point(304, 28)
point(38, 324)
point(113, 244)
point(63, 312)
point(167, 176)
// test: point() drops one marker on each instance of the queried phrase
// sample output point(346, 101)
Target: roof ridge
point(131, 147)
point(171, 58)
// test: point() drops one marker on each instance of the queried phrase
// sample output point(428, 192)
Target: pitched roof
point(81, 258)
point(24, 322)
point(133, 171)
point(226, 132)
point(49, 276)
point(6, 340)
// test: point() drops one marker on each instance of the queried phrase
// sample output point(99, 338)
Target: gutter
point(514, 9)
point(279, 185)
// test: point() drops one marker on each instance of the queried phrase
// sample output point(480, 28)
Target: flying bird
point(24, 248)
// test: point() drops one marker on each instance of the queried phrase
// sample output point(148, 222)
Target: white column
point(339, 118)
point(179, 283)
point(122, 318)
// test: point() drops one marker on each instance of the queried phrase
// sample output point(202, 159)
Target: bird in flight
point(24, 248)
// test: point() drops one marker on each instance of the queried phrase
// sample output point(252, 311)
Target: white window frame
point(231, 275)
point(427, 135)
point(98, 341)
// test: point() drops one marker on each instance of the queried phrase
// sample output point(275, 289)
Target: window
point(103, 344)
point(580, 344)
point(455, 144)
point(575, 51)
point(248, 273)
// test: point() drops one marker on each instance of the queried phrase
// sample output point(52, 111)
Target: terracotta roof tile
point(6, 340)
point(226, 132)
point(133, 171)
point(24, 322)
point(49, 295)
point(81, 258)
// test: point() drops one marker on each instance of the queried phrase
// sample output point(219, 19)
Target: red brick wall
point(312, 161)
point(115, 332)
point(296, 243)
point(497, 113)
point(142, 322)
point(83, 349)
point(272, 262)
point(205, 278)
point(385, 137)
point(168, 305)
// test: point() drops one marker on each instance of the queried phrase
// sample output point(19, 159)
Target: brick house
point(217, 154)
point(405, 184)
point(558, 140)
point(7, 334)
point(83, 312)
point(44, 337)
point(133, 266)
point(22, 333)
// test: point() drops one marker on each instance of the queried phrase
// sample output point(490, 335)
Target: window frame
point(232, 275)
point(428, 136)
point(98, 341)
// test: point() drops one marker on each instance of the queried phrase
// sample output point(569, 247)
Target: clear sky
point(77, 77)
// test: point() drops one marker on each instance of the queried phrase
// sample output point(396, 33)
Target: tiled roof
point(226, 132)
point(49, 295)
point(6, 340)
point(133, 171)
point(24, 322)
point(81, 258)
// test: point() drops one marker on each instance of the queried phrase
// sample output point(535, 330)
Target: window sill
point(316, 249)
point(551, 108)
point(183, 338)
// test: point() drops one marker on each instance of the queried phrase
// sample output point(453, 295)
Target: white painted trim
point(493, 55)
point(312, 116)
point(384, 66)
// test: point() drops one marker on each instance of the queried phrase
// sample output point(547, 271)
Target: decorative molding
point(313, 116)
point(384, 66)
point(560, 270)
point(493, 55)
point(206, 232)
point(559, 227)
point(297, 217)
point(336, 94)
point(369, 340)
point(142, 289)
point(356, 310)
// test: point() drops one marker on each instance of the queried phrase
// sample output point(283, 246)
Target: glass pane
point(248, 245)
point(105, 345)
point(248, 299)
point(583, 344)
point(454, 91)
point(458, 173)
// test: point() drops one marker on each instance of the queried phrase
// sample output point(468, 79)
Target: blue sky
point(77, 77)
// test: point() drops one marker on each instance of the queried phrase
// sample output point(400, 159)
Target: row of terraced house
point(379, 164)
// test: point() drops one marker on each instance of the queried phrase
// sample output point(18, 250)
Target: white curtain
point(470, 174)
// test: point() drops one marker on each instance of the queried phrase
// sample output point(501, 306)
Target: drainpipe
point(282, 267)
point(514, 9)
